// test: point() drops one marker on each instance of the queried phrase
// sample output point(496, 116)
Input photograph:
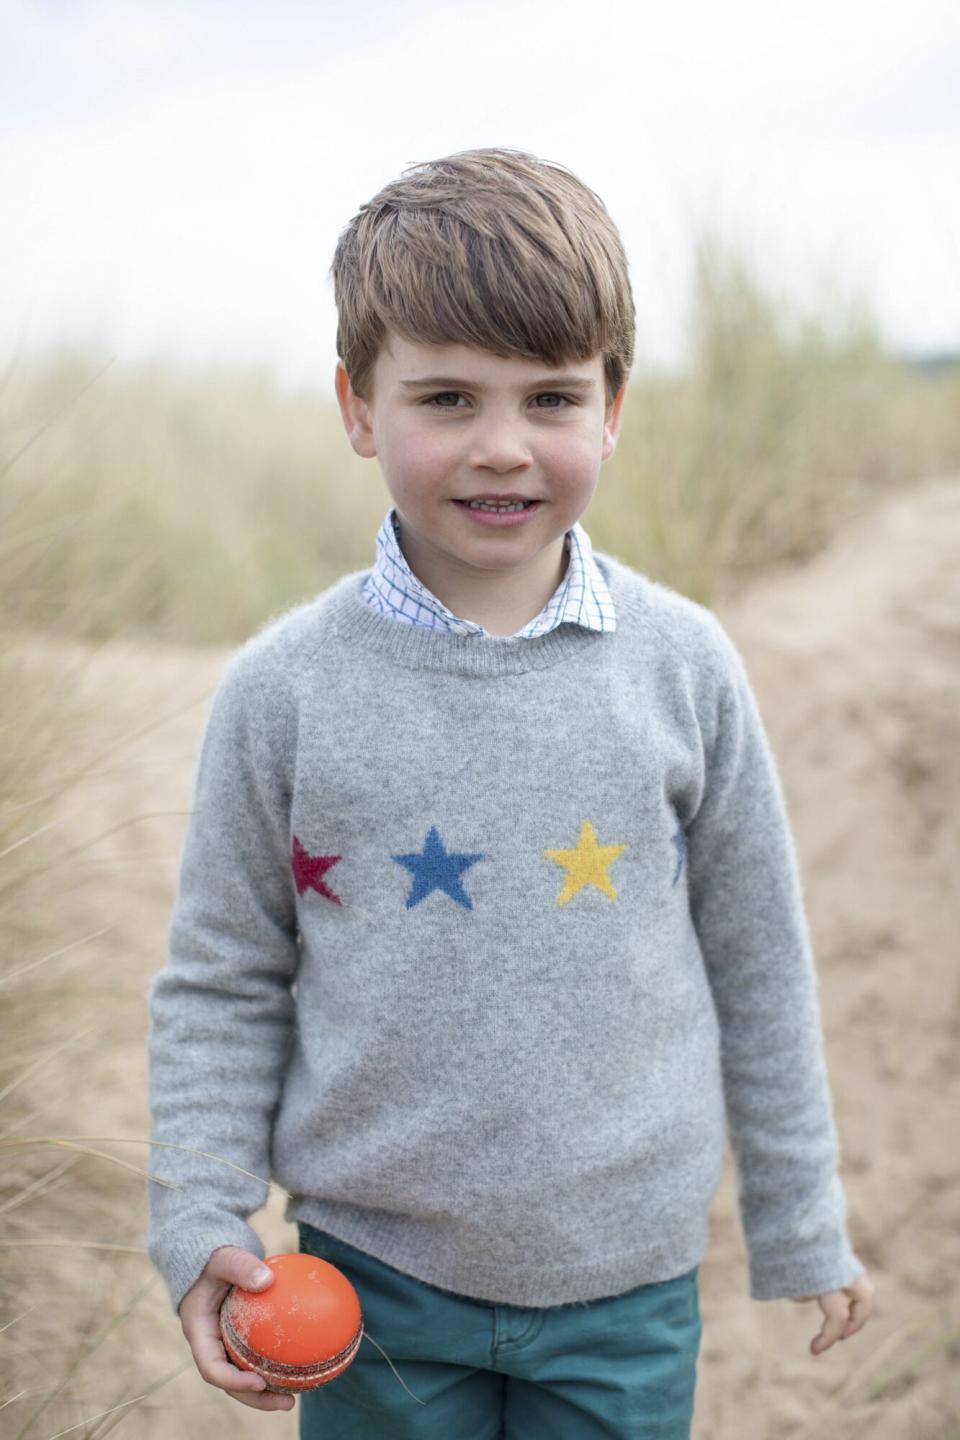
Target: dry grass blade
point(44, 1060)
point(70, 1143)
point(25, 1141)
point(64, 855)
point(84, 1354)
point(54, 955)
point(49, 422)
point(23, 1120)
point(26, 839)
point(105, 1429)
point(75, 1245)
point(17, 1318)
point(368, 1336)
point(10, 1398)
point(95, 769)
point(124, 1405)
point(37, 1187)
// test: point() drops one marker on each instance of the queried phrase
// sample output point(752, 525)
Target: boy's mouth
point(504, 504)
point(507, 514)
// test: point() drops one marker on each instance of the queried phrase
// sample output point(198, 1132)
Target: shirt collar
point(581, 598)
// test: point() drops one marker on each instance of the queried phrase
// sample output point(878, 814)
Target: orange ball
point(302, 1331)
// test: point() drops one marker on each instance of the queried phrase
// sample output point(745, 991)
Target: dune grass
point(193, 506)
point(49, 1327)
point(190, 507)
point(786, 423)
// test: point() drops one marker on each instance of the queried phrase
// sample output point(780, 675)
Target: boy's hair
point(490, 248)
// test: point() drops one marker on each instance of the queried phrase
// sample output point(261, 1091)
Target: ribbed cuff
point(793, 1277)
point(181, 1256)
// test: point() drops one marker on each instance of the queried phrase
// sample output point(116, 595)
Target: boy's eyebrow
point(550, 382)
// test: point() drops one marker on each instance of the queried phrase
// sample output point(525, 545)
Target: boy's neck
point(502, 603)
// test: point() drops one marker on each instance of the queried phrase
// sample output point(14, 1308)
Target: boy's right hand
point(200, 1318)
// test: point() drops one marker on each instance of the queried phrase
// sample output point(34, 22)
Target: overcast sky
point(174, 175)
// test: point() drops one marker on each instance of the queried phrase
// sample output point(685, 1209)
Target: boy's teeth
point(482, 505)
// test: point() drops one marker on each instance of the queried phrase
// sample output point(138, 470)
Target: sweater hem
point(540, 1286)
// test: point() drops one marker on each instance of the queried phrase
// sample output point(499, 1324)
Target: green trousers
point(622, 1367)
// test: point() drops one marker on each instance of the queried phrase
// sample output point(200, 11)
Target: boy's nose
point(499, 446)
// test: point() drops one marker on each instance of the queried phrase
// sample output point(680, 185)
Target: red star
point(308, 871)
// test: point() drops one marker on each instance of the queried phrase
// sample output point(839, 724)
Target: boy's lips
point(501, 519)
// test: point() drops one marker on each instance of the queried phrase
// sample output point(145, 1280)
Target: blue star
point(437, 869)
point(680, 840)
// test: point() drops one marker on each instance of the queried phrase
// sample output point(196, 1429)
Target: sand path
point(856, 662)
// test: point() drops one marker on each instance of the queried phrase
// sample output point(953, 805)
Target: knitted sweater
point(478, 942)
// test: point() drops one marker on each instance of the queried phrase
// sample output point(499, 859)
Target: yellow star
point(587, 865)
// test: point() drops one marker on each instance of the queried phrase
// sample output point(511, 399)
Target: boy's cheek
point(416, 452)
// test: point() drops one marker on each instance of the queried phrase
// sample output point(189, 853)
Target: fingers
point(238, 1267)
point(200, 1321)
point(211, 1360)
point(836, 1311)
point(243, 1385)
point(267, 1401)
point(861, 1305)
point(845, 1312)
point(257, 1399)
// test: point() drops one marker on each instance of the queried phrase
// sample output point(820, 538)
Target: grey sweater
point(478, 943)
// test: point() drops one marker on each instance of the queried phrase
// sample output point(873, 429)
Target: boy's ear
point(357, 415)
point(611, 424)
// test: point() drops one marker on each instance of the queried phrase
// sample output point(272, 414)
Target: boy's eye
point(455, 395)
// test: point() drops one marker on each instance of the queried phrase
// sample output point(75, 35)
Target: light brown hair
point(490, 248)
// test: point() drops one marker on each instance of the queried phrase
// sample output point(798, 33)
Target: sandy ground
point(854, 659)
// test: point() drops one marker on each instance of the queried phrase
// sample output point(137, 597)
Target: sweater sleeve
point(747, 907)
point(222, 1009)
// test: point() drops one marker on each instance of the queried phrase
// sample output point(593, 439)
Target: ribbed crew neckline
point(479, 655)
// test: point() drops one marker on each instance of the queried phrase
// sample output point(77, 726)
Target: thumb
point(836, 1310)
point(239, 1267)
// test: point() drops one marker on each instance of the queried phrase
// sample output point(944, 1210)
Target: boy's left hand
point(845, 1312)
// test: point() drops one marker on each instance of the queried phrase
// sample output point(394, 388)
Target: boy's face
point(450, 424)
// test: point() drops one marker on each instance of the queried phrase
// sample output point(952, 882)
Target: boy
point(489, 915)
